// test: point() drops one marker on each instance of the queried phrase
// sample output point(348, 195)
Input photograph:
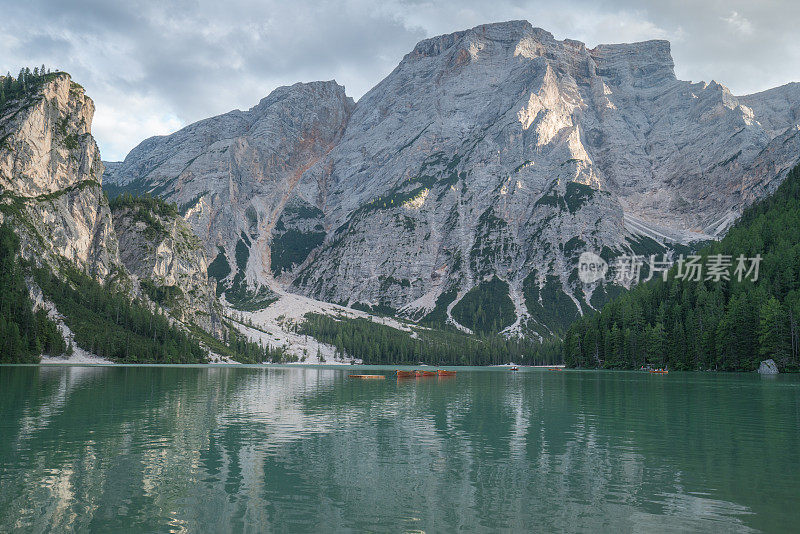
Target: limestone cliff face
point(50, 191)
point(50, 175)
point(496, 151)
point(168, 259)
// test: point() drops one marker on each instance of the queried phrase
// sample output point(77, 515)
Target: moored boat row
point(418, 374)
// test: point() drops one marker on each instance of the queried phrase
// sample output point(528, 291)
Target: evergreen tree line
point(24, 334)
point(375, 343)
point(107, 323)
point(487, 308)
point(147, 209)
point(246, 351)
point(26, 83)
point(147, 202)
point(729, 325)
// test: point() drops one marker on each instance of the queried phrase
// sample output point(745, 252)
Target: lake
point(255, 449)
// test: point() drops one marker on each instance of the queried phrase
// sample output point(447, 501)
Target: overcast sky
point(154, 66)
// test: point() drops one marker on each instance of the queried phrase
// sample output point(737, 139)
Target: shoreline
point(101, 362)
point(96, 361)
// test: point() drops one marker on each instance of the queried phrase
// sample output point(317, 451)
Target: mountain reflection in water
point(244, 449)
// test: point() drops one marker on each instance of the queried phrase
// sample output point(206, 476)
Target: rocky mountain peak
point(232, 175)
point(648, 62)
point(45, 139)
point(777, 109)
point(651, 60)
point(506, 34)
point(328, 90)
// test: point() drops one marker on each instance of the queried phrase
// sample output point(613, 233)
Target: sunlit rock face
point(492, 152)
point(50, 192)
point(50, 173)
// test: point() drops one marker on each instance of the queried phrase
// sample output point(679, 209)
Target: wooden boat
point(659, 371)
point(416, 374)
point(554, 369)
point(442, 372)
point(368, 377)
point(513, 368)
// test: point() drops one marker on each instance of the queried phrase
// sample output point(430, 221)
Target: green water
point(248, 449)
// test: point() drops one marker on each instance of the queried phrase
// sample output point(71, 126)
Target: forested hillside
point(24, 334)
point(726, 325)
point(378, 344)
point(109, 324)
point(104, 321)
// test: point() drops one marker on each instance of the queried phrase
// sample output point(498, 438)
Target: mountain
point(126, 281)
point(50, 176)
point(159, 248)
point(50, 179)
point(727, 324)
point(233, 176)
point(476, 171)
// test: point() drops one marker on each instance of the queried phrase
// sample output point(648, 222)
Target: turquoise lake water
point(307, 449)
